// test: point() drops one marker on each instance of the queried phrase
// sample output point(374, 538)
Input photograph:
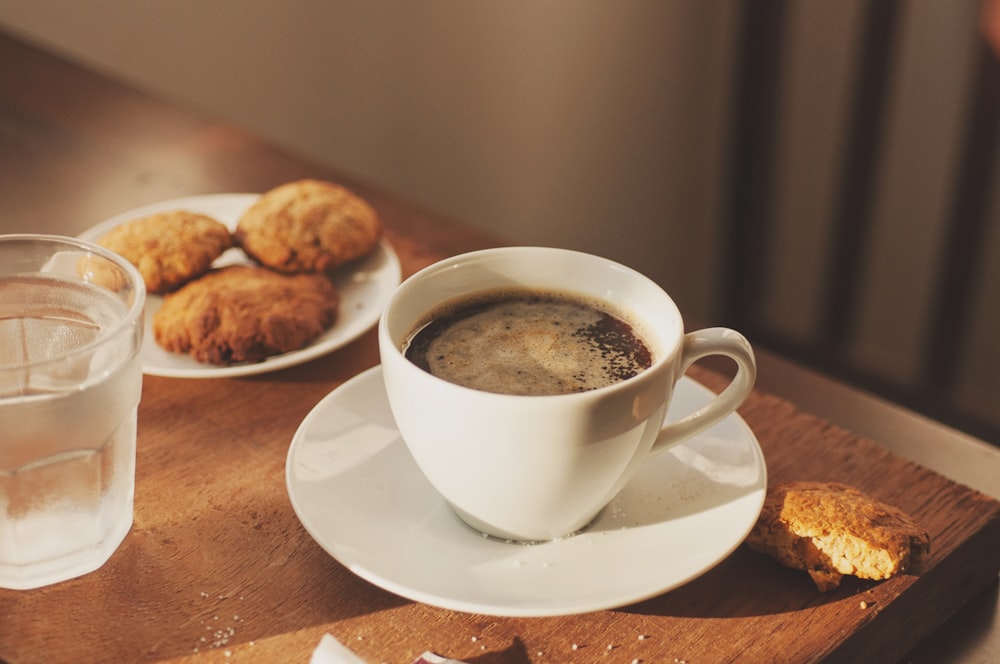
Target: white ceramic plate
point(364, 288)
point(358, 492)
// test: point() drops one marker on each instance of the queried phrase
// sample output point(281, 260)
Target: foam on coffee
point(528, 342)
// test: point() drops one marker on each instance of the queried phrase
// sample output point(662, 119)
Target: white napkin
point(332, 651)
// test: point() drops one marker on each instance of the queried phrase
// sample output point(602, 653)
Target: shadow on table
point(515, 653)
point(747, 584)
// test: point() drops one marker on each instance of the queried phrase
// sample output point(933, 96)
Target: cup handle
point(699, 344)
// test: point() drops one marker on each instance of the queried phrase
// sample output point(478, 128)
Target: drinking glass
point(71, 319)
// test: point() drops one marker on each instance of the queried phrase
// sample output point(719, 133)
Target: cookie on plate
point(308, 226)
point(244, 313)
point(831, 529)
point(169, 248)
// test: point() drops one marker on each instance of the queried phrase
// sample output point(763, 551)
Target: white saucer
point(364, 288)
point(358, 492)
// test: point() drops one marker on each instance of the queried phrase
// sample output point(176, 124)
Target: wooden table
point(217, 566)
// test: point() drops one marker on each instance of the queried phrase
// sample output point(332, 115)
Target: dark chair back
point(954, 375)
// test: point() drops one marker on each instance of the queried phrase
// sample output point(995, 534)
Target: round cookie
point(308, 226)
point(244, 313)
point(169, 248)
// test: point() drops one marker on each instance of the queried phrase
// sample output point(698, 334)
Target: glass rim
point(135, 309)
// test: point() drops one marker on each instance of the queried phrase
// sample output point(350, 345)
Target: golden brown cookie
point(830, 529)
point(308, 226)
point(169, 248)
point(244, 313)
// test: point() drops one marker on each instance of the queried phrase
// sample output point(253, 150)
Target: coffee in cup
point(528, 342)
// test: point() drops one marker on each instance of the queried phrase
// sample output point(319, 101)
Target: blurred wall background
point(606, 127)
point(595, 125)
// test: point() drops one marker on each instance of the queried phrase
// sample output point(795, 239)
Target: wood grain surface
point(217, 562)
point(218, 569)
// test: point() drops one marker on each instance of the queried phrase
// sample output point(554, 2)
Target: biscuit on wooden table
point(244, 313)
point(830, 529)
point(169, 248)
point(308, 226)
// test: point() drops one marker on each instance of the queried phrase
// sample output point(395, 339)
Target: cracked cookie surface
point(244, 313)
point(171, 248)
point(830, 529)
point(308, 226)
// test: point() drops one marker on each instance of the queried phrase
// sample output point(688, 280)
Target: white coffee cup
point(536, 468)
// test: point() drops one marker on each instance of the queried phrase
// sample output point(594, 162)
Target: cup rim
point(454, 262)
point(134, 312)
